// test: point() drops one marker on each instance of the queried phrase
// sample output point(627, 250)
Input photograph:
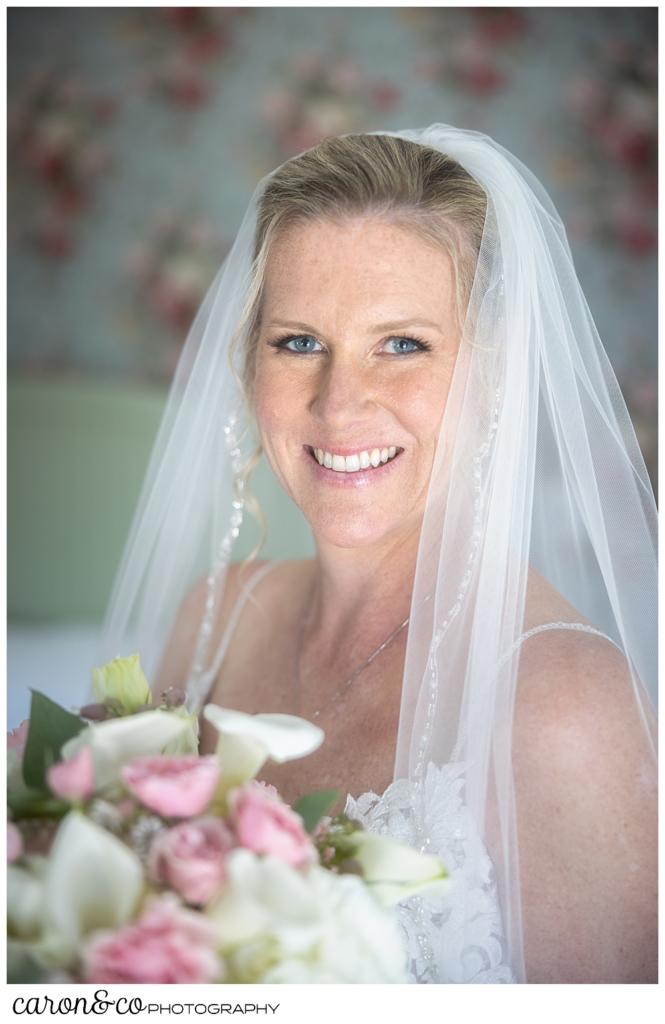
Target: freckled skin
point(343, 280)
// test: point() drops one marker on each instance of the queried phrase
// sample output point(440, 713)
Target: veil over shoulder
point(537, 481)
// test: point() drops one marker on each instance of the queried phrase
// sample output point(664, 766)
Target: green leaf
point(19, 799)
point(22, 969)
point(50, 728)
point(313, 806)
point(36, 803)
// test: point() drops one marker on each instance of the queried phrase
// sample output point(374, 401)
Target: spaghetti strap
point(580, 626)
point(236, 612)
point(197, 694)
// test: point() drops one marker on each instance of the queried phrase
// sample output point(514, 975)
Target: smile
point(370, 458)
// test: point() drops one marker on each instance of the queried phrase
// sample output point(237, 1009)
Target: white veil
point(537, 466)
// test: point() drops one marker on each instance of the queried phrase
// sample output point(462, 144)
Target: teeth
point(353, 463)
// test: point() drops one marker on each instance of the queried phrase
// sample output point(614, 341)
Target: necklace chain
point(352, 678)
point(361, 668)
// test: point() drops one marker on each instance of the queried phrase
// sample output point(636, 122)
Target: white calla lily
point(240, 759)
point(92, 880)
point(395, 871)
point(117, 741)
point(285, 737)
point(247, 741)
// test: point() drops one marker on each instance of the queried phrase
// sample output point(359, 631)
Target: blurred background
point(136, 137)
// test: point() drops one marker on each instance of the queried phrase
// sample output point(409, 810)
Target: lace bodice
point(457, 936)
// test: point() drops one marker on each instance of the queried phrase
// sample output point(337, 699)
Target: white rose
point(276, 924)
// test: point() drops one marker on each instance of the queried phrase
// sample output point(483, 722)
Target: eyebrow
point(390, 325)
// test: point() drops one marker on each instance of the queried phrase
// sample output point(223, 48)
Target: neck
point(364, 589)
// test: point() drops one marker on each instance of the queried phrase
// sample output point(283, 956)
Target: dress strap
point(198, 692)
point(582, 627)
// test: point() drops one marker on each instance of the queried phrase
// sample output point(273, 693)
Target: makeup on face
point(354, 360)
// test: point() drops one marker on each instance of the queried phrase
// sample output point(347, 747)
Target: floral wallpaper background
point(136, 137)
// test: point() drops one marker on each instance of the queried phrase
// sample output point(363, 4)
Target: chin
point(362, 529)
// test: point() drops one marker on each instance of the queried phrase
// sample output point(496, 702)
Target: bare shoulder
point(179, 650)
point(586, 794)
point(573, 685)
point(576, 686)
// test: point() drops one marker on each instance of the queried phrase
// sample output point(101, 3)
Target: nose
point(343, 393)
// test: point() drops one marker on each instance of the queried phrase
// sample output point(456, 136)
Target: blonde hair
point(417, 187)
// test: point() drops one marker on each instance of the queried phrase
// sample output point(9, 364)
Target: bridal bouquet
point(132, 858)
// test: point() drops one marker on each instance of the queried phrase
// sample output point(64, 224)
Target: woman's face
point(355, 356)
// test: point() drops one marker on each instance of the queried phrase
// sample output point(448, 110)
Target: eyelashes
point(283, 344)
point(420, 343)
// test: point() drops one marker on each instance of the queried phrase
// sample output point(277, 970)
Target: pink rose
point(175, 787)
point(17, 737)
point(14, 843)
point(265, 824)
point(73, 779)
point(190, 858)
point(168, 945)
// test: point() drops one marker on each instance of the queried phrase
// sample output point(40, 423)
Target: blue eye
point(404, 346)
point(303, 343)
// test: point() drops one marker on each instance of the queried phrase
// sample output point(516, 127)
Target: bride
point(401, 323)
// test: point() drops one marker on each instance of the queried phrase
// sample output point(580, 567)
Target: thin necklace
point(352, 678)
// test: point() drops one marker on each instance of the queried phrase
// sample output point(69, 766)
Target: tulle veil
point(537, 467)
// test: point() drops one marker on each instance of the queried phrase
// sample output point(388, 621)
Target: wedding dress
point(447, 938)
point(536, 465)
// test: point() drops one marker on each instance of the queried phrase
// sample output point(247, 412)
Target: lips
point(355, 462)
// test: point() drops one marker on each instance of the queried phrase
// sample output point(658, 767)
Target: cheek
point(423, 406)
point(270, 408)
